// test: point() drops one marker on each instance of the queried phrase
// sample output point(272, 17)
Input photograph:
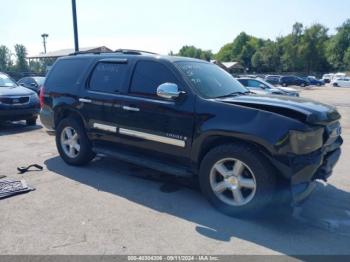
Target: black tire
point(85, 155)
point(302, 84)
point(31, 121)
point(265, 178)
point(335, 84)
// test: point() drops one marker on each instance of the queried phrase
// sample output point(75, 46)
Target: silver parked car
point(261, 87)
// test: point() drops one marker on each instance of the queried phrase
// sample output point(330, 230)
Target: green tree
point(192, 51)
point(242, 49)
point(290, 45)
point(338, 46)
point(21, 55)
point(5, 58)
point(347, 59)
point(312, 49)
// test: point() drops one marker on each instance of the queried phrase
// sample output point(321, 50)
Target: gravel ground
point(111, 207)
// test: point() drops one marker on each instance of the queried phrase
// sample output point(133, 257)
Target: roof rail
point(89, 52)
point(133, 52)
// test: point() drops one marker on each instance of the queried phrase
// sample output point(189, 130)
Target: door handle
point(133, 109)
point(83, 100)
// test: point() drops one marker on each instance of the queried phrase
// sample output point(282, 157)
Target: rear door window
point(108, 77)
point(148, 75)
point(253, 83)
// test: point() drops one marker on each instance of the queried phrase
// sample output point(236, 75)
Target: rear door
point(101, 103)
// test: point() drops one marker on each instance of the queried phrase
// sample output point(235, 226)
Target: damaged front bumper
point(302, 171)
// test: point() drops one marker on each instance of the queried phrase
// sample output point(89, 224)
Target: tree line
point(305, 49)
point(16, 63)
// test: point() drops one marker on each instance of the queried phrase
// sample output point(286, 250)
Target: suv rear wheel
point(72, 142)
point(237, 179)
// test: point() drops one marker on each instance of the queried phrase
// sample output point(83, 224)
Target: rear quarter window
point(66, 74)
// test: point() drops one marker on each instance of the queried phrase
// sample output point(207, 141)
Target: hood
point(288, 89)
point(305, 110)
point(260, 92)
point(15, 91)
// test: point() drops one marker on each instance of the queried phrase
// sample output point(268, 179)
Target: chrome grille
point(20, 100)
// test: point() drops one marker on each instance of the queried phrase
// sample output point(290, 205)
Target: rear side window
point(253, 83)
point(148, 76)
point(66, 74)
point(108, 77)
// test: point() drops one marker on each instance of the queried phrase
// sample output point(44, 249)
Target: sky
point(159, 25)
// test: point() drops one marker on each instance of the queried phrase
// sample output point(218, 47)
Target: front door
point(156, 124)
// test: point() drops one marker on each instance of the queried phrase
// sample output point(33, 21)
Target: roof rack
point(123, 51)
point(89, 52)
point(133, 52)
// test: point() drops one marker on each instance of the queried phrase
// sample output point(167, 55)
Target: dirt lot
point(112, 207)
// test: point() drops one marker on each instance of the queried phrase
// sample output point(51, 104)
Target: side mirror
point(262, 86)
point(169, 91)
point(21, 84)
point(34, 84)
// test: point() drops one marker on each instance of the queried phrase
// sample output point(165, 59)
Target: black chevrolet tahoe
point(187, 117)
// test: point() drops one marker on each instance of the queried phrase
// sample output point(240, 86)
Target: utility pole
point(75, 26)
point(44, 36)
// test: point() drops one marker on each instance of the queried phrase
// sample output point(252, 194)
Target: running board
point(142, 160)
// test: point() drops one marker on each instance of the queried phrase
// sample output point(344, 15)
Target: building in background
point(231, 67)
point(50, 57)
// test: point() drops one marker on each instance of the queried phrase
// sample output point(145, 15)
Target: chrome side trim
point(151, 137)
point(128, 108)
point(83, 100)
point(107, 128)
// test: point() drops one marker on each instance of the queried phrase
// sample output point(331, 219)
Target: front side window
point(108, 77)
point(210, 81)
point(148, 75)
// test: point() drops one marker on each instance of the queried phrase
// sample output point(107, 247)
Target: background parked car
point(341, 82)
point(33, 82)
point(292, 81)
point(259, 86)
point(327, 78)
point(273, 79)
point(17, 102)
point(314, 81)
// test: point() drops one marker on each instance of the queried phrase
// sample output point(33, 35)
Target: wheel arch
point(213, 141)
point(62, 112)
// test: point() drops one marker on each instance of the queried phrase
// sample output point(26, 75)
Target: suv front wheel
point(237, 179)
point(72, 142)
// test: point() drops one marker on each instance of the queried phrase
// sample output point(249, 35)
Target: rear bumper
point(47, 118)
point(18, 114)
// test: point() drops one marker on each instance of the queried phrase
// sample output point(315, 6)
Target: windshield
point(210, 81)
point(5, 81)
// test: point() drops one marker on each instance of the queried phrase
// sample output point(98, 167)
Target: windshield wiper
point(235, 94)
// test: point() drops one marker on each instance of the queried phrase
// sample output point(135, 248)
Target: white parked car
point(327, 78)
point(341, 82)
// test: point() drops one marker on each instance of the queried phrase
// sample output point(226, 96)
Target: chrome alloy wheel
point(233, 182)
point(70, 142)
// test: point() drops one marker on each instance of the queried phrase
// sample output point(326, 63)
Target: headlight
point(306, 142)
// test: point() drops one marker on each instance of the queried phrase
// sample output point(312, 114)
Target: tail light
point(41, 96)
